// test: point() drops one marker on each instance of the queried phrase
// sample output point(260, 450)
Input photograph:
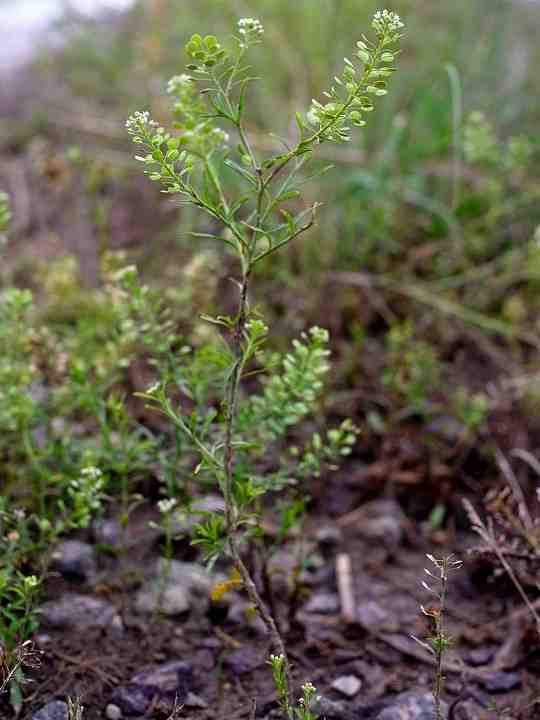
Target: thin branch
point(489, 538)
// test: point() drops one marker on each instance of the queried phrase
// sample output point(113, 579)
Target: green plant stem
point(232, 401)
point(231, 395)
point(439, 677)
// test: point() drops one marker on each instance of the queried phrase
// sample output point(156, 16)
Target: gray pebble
point(176, 589)
point(323, 603)
point(82, 612)
point(55, 710)
point(113, 712)
point(348, 685)
point(75, 560)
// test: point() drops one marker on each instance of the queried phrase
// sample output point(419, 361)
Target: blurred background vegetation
point(425, 264)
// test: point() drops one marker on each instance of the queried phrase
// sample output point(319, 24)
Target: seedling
point(439, 641)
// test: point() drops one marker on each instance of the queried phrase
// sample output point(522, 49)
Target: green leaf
point(290, 220)
point(223, 320)
point(246, 174)
point(290, 195)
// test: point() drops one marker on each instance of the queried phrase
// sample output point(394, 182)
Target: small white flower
point(91, 472)
point(178, 82)
point(166, 505)
point(140, 119)
point(312, 117)
point(386, 21)
point(152, 389)
point(221, 136)
point(250, 26)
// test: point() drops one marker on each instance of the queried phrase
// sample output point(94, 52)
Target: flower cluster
point(153, 389)
point(251, 30)
point(179, 83)
point(306, 702)
point(349, 99)
point(92, 473)
point(86, 495)
point(140, 125)
point(386, 22)
point(308, 688)
point(199, 134)
point(162, 149)
point(166, 505)
point(250, 25)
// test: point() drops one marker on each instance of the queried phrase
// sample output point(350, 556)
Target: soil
point(494, 641)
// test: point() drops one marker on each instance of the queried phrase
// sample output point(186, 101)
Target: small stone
point(108, 532)
point(113, 712)
point(81, 612)
point(328, 536)
point(171, 601)
point(373, 676)
point(43, 639)
point(131, 700)
point(176, 588)
point(55, 710)
point(500, 681)
point(332, 709)
point(480, 656)
point(195, 701)
point(372, 616)
point(166, 683)
point(348, 685)
point(470, 710)
point(322, 603)
point(411, 706)
point(75, 560)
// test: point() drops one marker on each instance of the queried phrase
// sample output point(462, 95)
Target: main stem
point(230, 512)
point(439, 678)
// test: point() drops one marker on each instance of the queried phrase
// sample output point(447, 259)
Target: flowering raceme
point(386, 22)
point(349, 99)
point(251, 30)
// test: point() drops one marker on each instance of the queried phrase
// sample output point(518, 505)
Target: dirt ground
point(492, 671)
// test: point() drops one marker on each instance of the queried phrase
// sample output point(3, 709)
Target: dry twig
point(345, 587)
